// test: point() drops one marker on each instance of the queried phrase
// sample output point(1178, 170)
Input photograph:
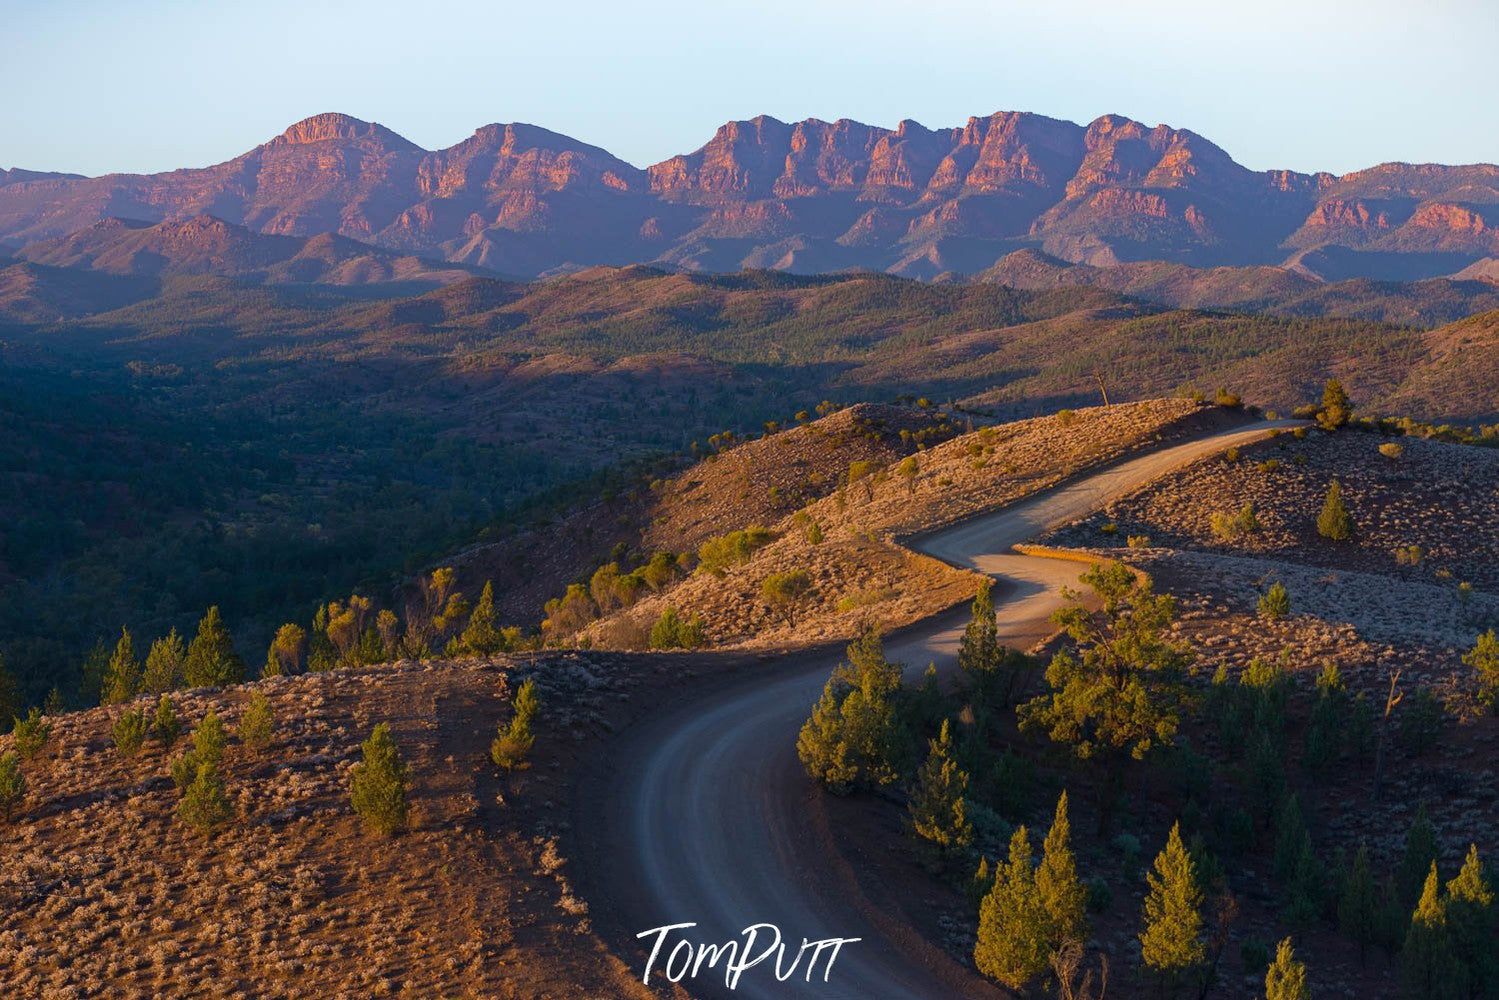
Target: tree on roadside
point(1113, 696)
point(852, 737)
point(1337, 408)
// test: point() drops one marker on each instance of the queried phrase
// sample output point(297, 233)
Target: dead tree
point(1391, 700)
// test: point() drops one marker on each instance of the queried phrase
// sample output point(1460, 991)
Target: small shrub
point(1409, 555)
point(1232, 455)
point(1138, 541)
point(1109, 529)
point(1392, 449)
point(165, 726)
point(1230, 400)
point(258, 724)
point(1255, 954)
point(1066, 417)
point(1423, 721)
point(1276, 602)
point(378, 785)
point(1100, 896)
point(784, 592)
point(1269, 465)
point(671, 631)
point(184, 770)
point(1483, 660)
point(204, 806)
point(129, 731)
point(1234, 527)
point(718, 555)
point(12, 784)
point(209, 739)
point(31, 734)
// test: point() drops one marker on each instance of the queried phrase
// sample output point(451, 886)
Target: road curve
point(702, 818)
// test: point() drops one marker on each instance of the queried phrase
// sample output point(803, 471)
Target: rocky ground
point(106, 893)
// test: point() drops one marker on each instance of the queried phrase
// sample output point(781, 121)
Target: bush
point(258, 724)
point(1392, 449)
point(129, 731)
point(1483, 659)
point(671, 631)
point(31, 734)
point(718, 555)
point(12, 784)
point(209, 739)
point(1276, 602)
point(1138, 541)
point(1233, 527)
point(205, 806)
point(784, 592)
point(378, 786)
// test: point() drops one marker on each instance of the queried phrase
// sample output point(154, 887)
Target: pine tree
point(122, 678)
point(1276, 603)
point(978, 651)
point(204, 806)
point(1012, 939)
point(513, 741)
point(1429, 970)
point(1334, 521)
point(1419, 855)
point(12, 785)
point(1336, 406)
point(1358, 907)
point(209, 739)
point(378, 788)
point(483, 636)
point(257, 725)
point(10, 694)
point(129, 731)
point(1171, 942)
point(1062, 894)
point(937, 809)
point(166, 725)
point(164, 664)
point(1286, 978)
point(287, 653)
point(1470, 917)
point(1483, 658)
point(31, 734)
point(852, 736)
point(1115, 699)
point(211, 659)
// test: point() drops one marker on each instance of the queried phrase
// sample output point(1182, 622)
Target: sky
point(95, 86)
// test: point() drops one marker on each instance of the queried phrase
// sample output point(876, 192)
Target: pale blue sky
point(99, 85)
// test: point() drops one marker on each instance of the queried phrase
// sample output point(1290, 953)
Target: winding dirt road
point(705, 811)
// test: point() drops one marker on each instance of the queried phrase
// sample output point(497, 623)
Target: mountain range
point(812, 196)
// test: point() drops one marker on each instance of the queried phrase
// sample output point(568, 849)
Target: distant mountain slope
point(809, 196)
point(1278, 290)
point(206, 245)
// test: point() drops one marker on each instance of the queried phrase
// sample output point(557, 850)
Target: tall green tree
point(1171, 941)
point(1359, 903)
point(483, 637)
point(12, 785)
point(513, 742)
point(1012, 939)
point(1419, 855)
point(1483, 658)
point(378, 788)
point(164, 664)
point(122, 678)
point(211, 660)
point(1113, 697)
point(287, 653)
point(1429, 969)
point(938, 812)
point(1470, 917)
point(1286, 977)
point(852, 737)
point(1062, 892)
point(1335, 522)
point(1336, 406)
